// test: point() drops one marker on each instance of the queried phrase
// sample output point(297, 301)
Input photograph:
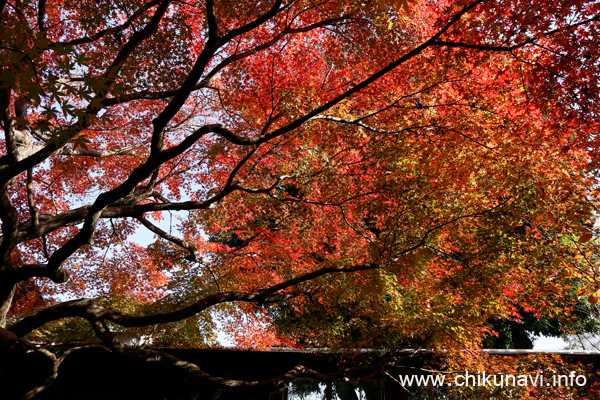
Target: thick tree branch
point(105, 335)
point(12, 152)
point(161, 121)
point(241, 140)
point(2, 7)
point(50, 378)
point(204, 83)
point(195, 372)
point(112, 196)
point(211, 19)
point(71, 132)
point(91, 311)
point(25, 272)
point(56, 361)
point(211, 46)
point(41, 15)
point(137, 38)
point(124, 209)
point(273, 11)
point(100, 153)
point(10, 223)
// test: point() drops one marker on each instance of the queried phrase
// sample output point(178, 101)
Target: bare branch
point(25, 272)
point(181, 243)
point(107, 337)
point(100, 153)
point(127, 207)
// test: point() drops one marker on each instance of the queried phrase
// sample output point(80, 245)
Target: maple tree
point(341, 173)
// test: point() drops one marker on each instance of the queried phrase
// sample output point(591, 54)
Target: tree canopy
point(333, 173)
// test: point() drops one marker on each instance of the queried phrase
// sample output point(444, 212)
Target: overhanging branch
point(91, 311)
point(180, 242)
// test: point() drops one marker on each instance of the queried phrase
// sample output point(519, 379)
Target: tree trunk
point(6, 296)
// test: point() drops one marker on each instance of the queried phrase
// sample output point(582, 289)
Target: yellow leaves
point(593, 297)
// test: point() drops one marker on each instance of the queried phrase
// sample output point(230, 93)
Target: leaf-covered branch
point(92, 311)
point(373, 179)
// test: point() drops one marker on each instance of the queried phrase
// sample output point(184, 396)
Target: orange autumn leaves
point(459, 177)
